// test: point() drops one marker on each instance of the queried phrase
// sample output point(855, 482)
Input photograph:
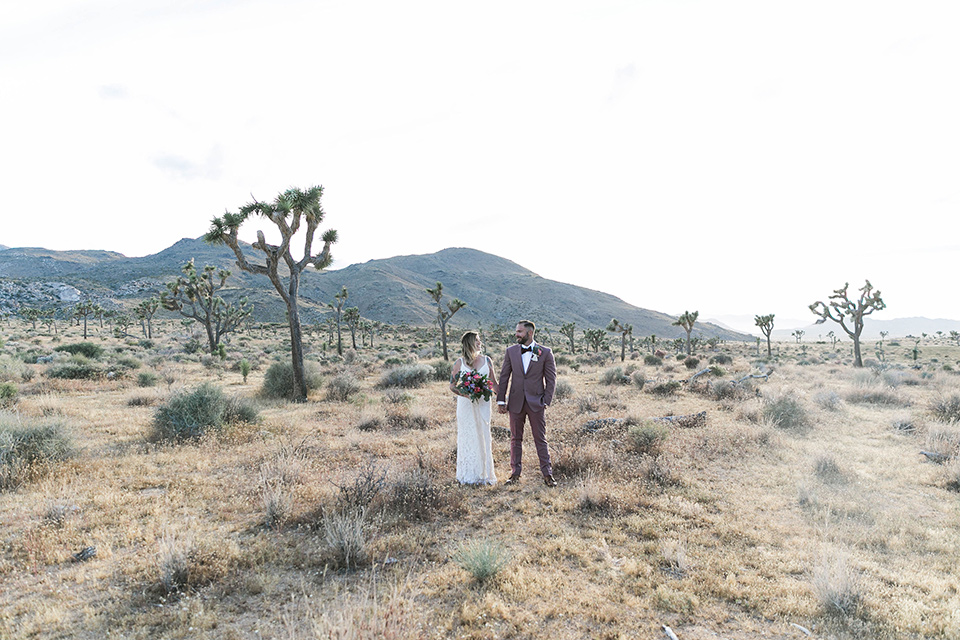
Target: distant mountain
point(3, 246)
point(393, 290)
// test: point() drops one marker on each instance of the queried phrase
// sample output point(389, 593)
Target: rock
point(595, 425)
point(85, 554)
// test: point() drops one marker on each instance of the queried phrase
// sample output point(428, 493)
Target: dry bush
point(408, 376)
point(837, 586)
point(828, 400)
point(588, 403)
point(673, 558)
point(30, 448)
point(664, 388)
point(186, 564)
point(341, 387)
point(952, 472)
point(191, 414)
point(482, 559)
point(278, 380)
point(946, 409)
point(563, 390)
point(882, 397)
point(943, 439)
point(592, 495)
point(376, 613)
point(786, 411)
point(647, 438)
point(825, 467)
point(345, 538)
point(615, 375)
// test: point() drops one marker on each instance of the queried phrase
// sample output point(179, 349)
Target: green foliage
point(14, 369)
point(29, 448)
point(409, 376)
point(563, 390)
point(191, 414)
point(652, 360)
point(639, 380)
point(691, 362)
point(8, 394)
point(147, 379)
point(75, 370)
point(245, 369)
point(482, 559)
point(441, 370)
point(721, 358)
point(278, 380)
point(647, 438)
point(87, 349)
point(666, 388)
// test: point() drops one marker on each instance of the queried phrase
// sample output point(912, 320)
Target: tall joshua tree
point(570, 330)
point(288, 212)
point(766, 327)
point(145, 312)
point(624, 330)
point(444, 315)
point(849, 313)
point(195, 295)
point(687, 320)
point(339, 300)
point(351, 315)
point(84, 310)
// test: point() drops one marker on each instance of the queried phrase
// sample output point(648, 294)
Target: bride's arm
point(493, 376)
point(453, 377)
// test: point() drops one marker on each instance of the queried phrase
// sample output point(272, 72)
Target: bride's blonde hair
point(470, 343)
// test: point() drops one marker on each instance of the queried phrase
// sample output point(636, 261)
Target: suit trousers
point(538, 427)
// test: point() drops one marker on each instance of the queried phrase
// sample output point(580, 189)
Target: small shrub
point(946, 409)
point(827, 470)
point(721, 359)
point(652, 360)
point(563, 390)
point(943, 440)
point(372, 423)
point(129, 362)
point(12, 369)
point(397, 397)
point(482, 559)
point(408, 376)
point(786, 412)
point(416, 495)
point(647, 438)
point(589, 403)
point(8, 394)
point(615, 375)
point(278, 380)
point(639, 379)
point(189, 415)
point(75, 371)
point(952, 471)
point(341, 387)
point(245, 369)
point(142, 401)
point(726, 390)
point(147, 379)
point(88, 349)
point(691, 362)
point(667, 388)
point(345, 536)
point(357, 496)
point(829, 400)
point(441, 370)
point(29, 449)
point(881, 397)
point(837, 587)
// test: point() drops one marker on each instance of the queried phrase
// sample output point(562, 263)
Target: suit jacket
point(536, 386)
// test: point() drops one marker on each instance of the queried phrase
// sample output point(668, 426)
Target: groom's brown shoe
point(514, 479)
point(549, 481)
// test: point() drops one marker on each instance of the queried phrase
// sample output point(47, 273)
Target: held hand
point(501, 408)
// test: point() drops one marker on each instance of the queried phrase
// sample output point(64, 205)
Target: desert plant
point(829, 400)
point(647, 438)
point(482, 559)
point(245, 369)
point(569, 330)
point(398, 397)
point(639, 379)
point(625, 331)
point(721, 358)
point(665, 388)
point(190, 414)
point(29, 448)
point(691, 362)
point(441, 370)
point(837, 586)
point(825, 467)
point(279, 380)
point(147, 379)
point(946, 409)
point(615, 375)
point(563, 390)
point(287, 212)
point(785, 411)
point(86, 349)
point(444, 315)
point(341, 387)
point(345, 536)
point(416, 495)
point(652, 360)
point(8, 394)
point(408, 376)
point(75, 370)
point(841, 309)
point(687, 320)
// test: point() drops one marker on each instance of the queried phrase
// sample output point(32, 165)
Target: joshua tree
point(687, 321)
point(84, 310)
point(570, 330)
point(842, 310)
point(444, 315)
point(145, 312)
point(290, 209)
point(49, 316)
point(194, 295)
point(653, 343)
point(351, 315)
point(594, 338)
point(121, 323)
point(624, 330)
point(766, 327)
point(833, 339)
point(955, 336)
point(31, 315)
point(339, 300)
point(798, 334)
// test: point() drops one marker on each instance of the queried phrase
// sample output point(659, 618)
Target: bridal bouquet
point(475, 386)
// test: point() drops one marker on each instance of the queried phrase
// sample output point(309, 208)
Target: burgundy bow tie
point(525, 349)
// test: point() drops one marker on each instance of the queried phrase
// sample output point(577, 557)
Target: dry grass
point(309, 524)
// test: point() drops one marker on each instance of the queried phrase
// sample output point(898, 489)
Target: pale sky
point(735, 158)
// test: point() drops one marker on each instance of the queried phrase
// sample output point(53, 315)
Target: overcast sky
point(735, 158)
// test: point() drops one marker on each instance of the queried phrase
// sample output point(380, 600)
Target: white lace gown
point(474, 448)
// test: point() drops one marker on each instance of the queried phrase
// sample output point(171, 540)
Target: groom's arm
point(549, 376)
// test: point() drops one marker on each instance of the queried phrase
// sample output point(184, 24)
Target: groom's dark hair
point(528, 325)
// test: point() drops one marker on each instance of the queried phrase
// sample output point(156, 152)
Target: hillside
point(392, 290)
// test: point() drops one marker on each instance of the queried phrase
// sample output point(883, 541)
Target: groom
point(534, 376)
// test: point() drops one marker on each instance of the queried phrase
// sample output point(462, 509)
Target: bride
point(474, 449)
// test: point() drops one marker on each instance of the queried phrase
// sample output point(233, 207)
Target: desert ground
point(799, 506)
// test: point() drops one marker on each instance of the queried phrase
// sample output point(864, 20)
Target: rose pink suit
point(530, 393)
